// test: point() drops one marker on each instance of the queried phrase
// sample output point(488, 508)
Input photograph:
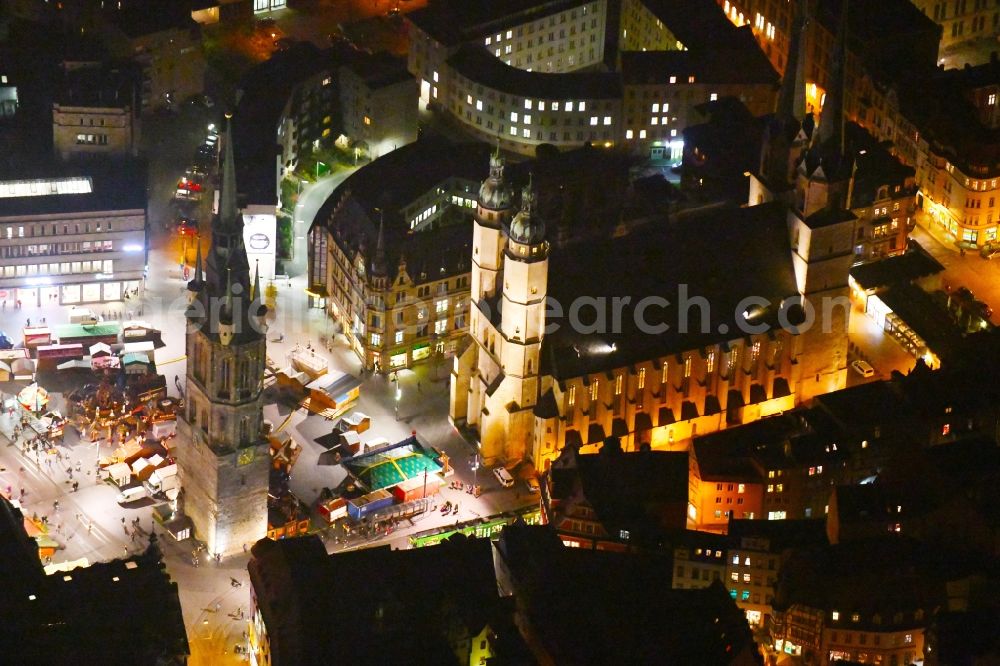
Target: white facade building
point(72, 239)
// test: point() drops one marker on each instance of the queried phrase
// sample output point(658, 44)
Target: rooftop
point(96, 85)
point(649, 262)
point(477, 64)
point(706, 65)
point(399, 602)
point(380, 69)
point(137, 18)
point(78, 188)
point(912, 265)
point(393, 182)
point(451, 22)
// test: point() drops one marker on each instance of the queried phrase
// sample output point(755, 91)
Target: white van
point(131, 494)
point(504, 477)
point(863, 368)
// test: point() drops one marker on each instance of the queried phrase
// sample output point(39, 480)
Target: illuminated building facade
point(97, 112)
point(73, 238)
point(389, 253)
point(365, 107)
point(527, 72)
point(223, 455)
point(958, 172)
point(962, 21)
point(164, 41)
point(530, 392)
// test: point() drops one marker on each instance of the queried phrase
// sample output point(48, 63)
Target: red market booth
point(416, 487)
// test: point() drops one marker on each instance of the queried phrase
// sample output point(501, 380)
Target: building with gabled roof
point(618, 501)
point(437, 604)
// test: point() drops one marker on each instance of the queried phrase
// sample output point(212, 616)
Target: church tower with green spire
point(223, 453)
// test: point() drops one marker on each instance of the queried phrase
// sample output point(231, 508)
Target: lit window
point(855, 617)
point(593, 389)
point(441, 306)
point(713, 97)
point(736, 558)
point(436, 77)
point(618, 385)
point(441, 326)
point(642, 377)
point(607, 120)
point(527, 119)
point(541, 105)
point(526, 133)
point(908, 638)
point(509, 33)
point(656, 107)
point(629, 134)
point(654, 121)
point(555, 106)
point(741, 488)
point(489, 40)
point(376, 339)
point(735, 577)
point(673, 132)
point(642, 134)
point(368, 121)
point(479, 105)
point(582, 106)
point(527, 104)
point(945, 429)
point(746, 578)
point(513, 131)
point(568, 106)
point(513, 116)
point(571, 396)
point(746, 561)
point(399, 337)
point(593, 120)
point(992, 99)
point(468, 99)
point(835, 615)
point(673, 79)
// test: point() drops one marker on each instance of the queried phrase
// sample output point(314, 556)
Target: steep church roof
point(660, 259)
point(227, 270)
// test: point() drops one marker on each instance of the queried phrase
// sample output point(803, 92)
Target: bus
point(487, 527)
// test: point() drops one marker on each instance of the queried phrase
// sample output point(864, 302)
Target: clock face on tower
point(245, 457)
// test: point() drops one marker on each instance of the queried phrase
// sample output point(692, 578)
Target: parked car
point(504, 477)
point(863, 368)
point(532, 483)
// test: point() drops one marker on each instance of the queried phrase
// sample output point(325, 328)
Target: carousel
point(33, 399)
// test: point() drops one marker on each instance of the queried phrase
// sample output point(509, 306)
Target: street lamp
point(475, 470)
point(317, 168)
point(399, 394)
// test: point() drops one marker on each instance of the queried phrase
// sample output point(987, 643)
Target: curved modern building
point(567, 72)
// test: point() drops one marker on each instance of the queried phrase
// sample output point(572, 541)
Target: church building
point(661, 331)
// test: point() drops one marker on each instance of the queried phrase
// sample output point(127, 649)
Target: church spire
point(379, 266)
point(198, 271)
point(792, 98)
point(228, 207)
point(831, 126)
